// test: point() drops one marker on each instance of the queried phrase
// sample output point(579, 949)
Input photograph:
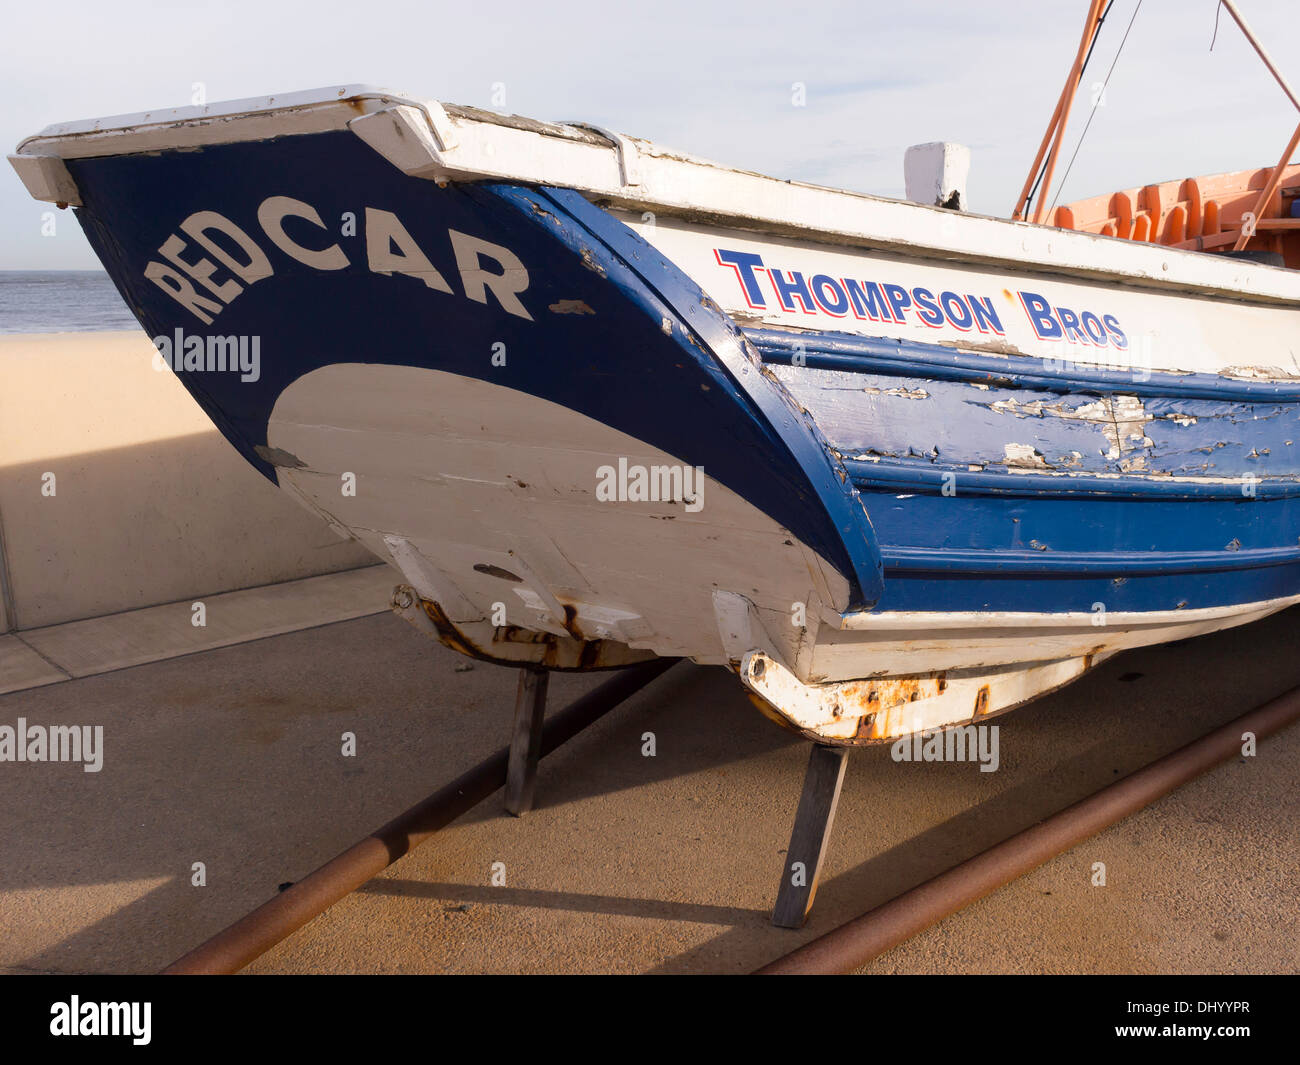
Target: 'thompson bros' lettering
point(190, 272)
point(882, 301)
point(1061, 323)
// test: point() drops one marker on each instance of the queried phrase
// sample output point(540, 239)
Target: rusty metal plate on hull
point(880, 710)
point(510, 645)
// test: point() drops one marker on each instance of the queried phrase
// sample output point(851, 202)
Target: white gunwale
point(461, 144)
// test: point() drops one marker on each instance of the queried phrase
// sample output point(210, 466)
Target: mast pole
point(1247, 230)
point(1270, 187)
point(1060, 116)
point(1240, 19)
point(1072, 85)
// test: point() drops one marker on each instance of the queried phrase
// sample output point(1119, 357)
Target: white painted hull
point(472, 474)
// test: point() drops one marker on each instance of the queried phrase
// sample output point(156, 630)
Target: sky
point(713, 79)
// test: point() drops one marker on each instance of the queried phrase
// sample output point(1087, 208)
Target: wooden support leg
point(812, 833)
point(526, 742)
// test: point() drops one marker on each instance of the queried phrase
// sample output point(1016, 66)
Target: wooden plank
point(1273, 181)
point(1211, 240)
point(526, 742)
point(811, 835)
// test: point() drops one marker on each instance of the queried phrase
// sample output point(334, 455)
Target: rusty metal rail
point(864, 938)
point(253, 935)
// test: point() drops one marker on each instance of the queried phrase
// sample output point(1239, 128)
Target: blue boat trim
point(1080, 564)
point(918, 475)
point(954, 592)
point(1063, 553)
point(911, 358)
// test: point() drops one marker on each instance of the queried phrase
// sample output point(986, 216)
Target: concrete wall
point(151, 503)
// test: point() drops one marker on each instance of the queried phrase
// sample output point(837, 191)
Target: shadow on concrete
point(232, 757)
point(574, 902)
point(1129, 712)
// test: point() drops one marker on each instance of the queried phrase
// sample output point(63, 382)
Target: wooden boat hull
point(893, 485)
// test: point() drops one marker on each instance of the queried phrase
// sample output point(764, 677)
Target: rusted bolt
point(403, 599)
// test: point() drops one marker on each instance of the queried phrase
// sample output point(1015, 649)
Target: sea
point(60, 301)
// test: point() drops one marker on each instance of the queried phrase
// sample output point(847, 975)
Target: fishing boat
point(897, 465)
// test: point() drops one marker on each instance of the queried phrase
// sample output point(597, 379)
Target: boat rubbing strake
point(897, 466)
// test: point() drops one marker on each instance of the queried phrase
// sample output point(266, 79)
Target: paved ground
point(231, 757)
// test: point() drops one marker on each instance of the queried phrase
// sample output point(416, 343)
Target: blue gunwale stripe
point(911, 358)
point(1079, 563)
point(894, 474)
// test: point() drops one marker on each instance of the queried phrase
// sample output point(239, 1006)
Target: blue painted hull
point(1213, 519)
